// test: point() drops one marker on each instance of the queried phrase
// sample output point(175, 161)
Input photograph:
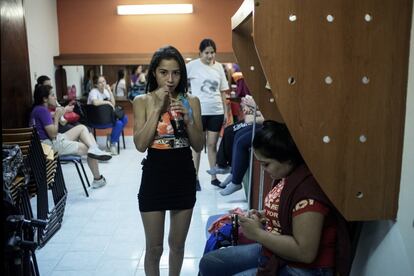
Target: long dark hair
point(206, 42)
point(167, 52)
point(41, 92)
point(275, 142)
point(40, 80)
point(121, 75)
point(95, 79)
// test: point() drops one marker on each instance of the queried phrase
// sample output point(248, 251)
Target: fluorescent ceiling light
point(154, 9)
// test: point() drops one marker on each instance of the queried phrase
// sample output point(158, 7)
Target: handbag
point(71, 117)
point(119, 112)
point(80, 110)
point(220, 238)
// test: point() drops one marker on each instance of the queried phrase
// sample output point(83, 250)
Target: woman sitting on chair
point(63, 123)
point(299, 231)
point(76, 141)
point(101, 95)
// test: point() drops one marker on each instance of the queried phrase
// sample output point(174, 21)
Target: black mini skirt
point(168, 180)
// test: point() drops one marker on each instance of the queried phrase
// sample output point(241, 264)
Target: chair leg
point(84, 173)
point(119, 149)
point(123, 138)
point(81, 178)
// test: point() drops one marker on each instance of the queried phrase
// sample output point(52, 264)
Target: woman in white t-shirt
point(100, 95)
point(209, 83)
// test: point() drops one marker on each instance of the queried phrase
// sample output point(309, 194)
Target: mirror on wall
point(130, 76)
point(134, 78)
point(74, 78)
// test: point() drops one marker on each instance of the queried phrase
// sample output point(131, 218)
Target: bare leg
point(94, 167)
point(212, 138)
point(80, 133)
point(196, 159)
point(92, 163)
point(180, 222)
point(154, 235)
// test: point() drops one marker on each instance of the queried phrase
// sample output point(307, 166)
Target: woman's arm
point(194, 125)
point(97, 102)
point(94, 99)
point(52, 129)
point(144, 128)
point(301, 247)
point(111, 95)
point(224, 99)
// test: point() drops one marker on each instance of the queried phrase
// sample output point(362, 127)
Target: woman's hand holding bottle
point(177, 110)
point(162, 99)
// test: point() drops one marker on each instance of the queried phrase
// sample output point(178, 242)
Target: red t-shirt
point(326, 252)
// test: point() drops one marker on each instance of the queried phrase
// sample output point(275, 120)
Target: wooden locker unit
point(245, 52)
point(247, 59)
point(338, 70)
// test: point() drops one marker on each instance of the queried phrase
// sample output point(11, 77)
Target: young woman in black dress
point(167, 122)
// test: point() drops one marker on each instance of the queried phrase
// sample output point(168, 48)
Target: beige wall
point(42, 37)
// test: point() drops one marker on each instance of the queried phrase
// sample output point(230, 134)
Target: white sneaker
point(98, 154)
point(99, 183)
point(226, 181)
point(218, 170)
point(230, 188)
point(114, 149)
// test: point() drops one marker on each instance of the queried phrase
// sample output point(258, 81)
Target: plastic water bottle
point(177, 123)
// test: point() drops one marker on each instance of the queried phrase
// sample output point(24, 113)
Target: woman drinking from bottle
point(167, 123)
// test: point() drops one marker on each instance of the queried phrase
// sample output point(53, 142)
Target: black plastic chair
point(101, 117)
point(77, 160)
point(46, 175)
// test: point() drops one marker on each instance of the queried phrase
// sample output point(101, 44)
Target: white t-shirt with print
point(95, 94)
point(207, 82)
point(121, 88)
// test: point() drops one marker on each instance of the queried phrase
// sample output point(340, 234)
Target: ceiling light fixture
point(154, 9)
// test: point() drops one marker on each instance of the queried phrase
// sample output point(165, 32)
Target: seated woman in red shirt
point(299, 232)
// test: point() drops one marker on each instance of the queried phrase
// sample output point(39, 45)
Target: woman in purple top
point(77, 140)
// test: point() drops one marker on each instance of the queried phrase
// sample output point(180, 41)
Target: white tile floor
point(103, 234)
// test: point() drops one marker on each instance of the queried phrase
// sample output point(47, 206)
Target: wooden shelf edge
point(124, 59)
point(245, 10)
